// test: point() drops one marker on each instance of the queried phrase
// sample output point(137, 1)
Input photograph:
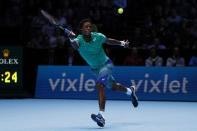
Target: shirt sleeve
point(76, 39)
point(102, 37)
point(74, 43)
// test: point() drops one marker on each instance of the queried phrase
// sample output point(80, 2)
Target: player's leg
point(99, 118)
point(128, 90)
point(119, 87)
point(101, 80)
point(103, 77)
point(101, 97)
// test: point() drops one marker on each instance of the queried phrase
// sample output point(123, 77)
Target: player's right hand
point(69, 33)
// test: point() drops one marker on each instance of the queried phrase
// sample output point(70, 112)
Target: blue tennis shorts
point(104, 74)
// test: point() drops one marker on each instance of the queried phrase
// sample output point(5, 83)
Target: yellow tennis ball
point(120, 10)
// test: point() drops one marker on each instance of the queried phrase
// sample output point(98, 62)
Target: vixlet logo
point(161, 86)
point(76, 84)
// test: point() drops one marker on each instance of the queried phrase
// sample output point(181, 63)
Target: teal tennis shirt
point(93, 52)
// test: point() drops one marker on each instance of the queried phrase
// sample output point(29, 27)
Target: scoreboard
point(11, 73)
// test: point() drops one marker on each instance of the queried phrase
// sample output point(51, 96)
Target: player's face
point(86, 28)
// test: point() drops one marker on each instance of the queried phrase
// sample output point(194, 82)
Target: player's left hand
point(124, 43)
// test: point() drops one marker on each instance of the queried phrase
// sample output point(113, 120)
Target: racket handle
point(62, 28)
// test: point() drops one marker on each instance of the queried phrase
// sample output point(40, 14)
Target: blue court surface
point(74, 115)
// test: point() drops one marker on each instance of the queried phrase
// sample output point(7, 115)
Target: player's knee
point(102, 81)
point(114, 86)
point(99, 85)
point(101, 89)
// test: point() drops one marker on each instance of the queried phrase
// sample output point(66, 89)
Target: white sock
point(129, 91)
point(102, 113)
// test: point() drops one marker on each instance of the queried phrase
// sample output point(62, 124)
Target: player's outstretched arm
point(123, 43)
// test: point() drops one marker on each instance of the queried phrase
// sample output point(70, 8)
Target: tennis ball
point(120, 10)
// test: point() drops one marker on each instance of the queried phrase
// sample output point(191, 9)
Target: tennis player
point(89, 45)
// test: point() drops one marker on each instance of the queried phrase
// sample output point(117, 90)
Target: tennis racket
point(53, 21)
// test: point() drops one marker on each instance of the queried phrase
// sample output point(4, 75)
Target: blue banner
point(152, 83)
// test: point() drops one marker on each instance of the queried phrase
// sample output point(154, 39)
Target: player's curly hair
point(94, 27)
point(83, 21)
